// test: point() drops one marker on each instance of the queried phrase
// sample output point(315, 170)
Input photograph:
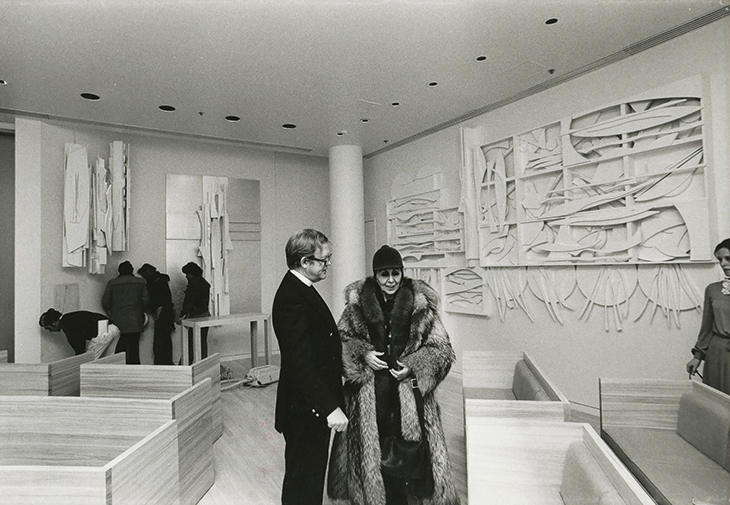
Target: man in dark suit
point(309, 398)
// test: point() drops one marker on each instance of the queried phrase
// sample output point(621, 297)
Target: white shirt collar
point(302, 278)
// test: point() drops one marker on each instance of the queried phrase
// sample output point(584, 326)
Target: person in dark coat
point(124, 300)
point(79, 326)
point(195, 304)
point(391, 334)
point(162, 311)
point(309, 400)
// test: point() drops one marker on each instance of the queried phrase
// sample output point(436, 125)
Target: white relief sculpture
point(120, 174)
point(215, 242)
point(626, 183)
point(76, 206)
point(609, 287)
point(669, 290)
point(429, 275)
point(100, 218)
point(507, 286)
point(468, 199)
point(553, 286)
point(464, 291)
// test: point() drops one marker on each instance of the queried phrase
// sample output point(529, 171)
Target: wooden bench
point(544, 463)
point(87, 451)
point(510, 384)
point(57, 378)
point(110, 377)
point(674, 436)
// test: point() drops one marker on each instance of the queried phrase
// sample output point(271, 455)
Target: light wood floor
point(250, 454)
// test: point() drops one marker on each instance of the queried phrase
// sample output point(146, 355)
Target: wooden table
point(253, 319)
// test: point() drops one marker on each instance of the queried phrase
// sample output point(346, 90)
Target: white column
point(27, 240)
point(347, 220)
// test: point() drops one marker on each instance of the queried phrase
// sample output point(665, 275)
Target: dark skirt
point(716, 372)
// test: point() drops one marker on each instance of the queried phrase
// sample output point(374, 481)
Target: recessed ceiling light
point(481, 58)
point(233, 119)
point(551, 71)
point(340, 134)
point(3, 82)
point(289, 126)
point(395, 104)
point(551, 21)
point(385, 141)
point(432, 84)
point(364, 120)
point(90, 96)
point(167, 108)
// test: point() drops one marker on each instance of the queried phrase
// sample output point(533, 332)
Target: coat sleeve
point(708, 321)
point(432, 360)
point(294, 333)
point(354, 348)
point(106, 299)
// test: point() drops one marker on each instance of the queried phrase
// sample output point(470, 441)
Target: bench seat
point(672, 435)
point(57, 378)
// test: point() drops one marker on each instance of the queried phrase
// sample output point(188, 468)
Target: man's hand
point(337, 420)
point(374, 362)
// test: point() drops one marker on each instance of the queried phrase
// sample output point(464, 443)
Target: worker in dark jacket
point(195, 304)
point(124, 300)
point(161, 309)
point(79, 326)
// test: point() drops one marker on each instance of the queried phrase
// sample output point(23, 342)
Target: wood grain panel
point(24, 379)
point(489, 369)
point(192, 408)
point(64, 374)
point(119, 358)
point(147, 473)
point(210, 367)
point(3, 356)
point(645, 403)
point(516, 409)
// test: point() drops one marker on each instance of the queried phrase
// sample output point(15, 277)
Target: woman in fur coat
point(391, 333)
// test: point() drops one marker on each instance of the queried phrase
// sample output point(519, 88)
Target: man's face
point(315, 266)
point(54, 326)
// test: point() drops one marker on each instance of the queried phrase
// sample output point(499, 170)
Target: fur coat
point(419, 340)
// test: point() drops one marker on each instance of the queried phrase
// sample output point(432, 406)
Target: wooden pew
point(674, 436)
point(87, 451)
point(539, 462)
point(57, 378)
point(489, 379)
point(105, 377)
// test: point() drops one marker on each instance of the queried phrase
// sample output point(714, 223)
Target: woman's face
point(723, 256)
point(389, 280)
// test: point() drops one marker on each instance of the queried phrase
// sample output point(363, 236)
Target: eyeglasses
point(327, 260)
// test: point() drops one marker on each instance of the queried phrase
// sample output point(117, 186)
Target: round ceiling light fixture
point(3, 82)
point(481, 58)
point(166, 108)
point(433, 83)
point(342, 133)
point(233, 119)
point(289, 126)
point(364, 120)
point(551, 21)
point(395, 104)
point(90, 96)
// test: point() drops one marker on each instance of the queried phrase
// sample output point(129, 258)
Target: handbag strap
point(418, 396)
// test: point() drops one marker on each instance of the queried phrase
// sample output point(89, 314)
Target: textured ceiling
point(322, 65)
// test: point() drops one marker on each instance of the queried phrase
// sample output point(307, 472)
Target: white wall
point(577, 354)
point(294, 195)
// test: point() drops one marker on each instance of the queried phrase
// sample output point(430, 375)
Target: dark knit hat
point(146, 269)
point(125, 268)
point(386, 257)
point(193, 269)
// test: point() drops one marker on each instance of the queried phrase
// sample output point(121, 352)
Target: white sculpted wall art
point(96, 207)
point(585, 214)
point(622, 184)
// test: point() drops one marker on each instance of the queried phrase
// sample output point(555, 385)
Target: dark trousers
point(203, 344)
point(162, 343)
point(129, 344)
point(305, 457)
